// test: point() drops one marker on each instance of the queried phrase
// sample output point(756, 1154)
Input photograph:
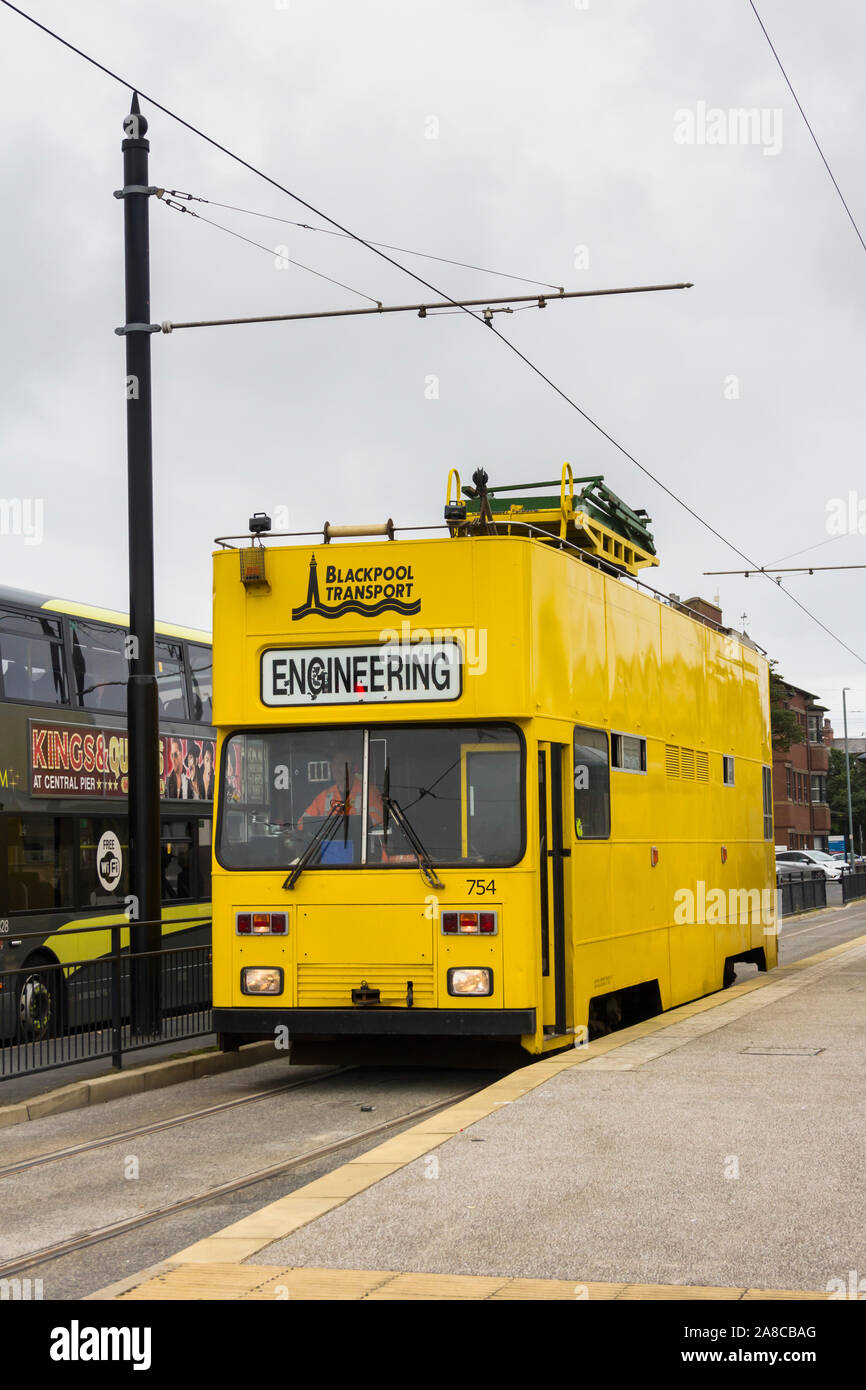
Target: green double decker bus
point(64, 847)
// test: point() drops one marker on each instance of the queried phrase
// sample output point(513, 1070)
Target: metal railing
point(801, 892)
point(54, 1015)
point(853, 884)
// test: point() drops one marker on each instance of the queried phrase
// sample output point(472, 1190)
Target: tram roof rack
point(594, 518)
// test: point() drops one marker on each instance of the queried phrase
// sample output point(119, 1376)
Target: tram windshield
point(458, 786)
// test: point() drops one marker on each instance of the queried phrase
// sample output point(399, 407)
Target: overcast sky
point(559, 138)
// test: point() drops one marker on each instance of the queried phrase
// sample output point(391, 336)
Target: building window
point(628, 752)
point(767, 779)
point(728, 771)
point(816, 729)
point(819, 788)
point(591, 785)
point(789, 784)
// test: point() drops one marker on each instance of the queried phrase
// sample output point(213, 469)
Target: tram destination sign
point(382, 674)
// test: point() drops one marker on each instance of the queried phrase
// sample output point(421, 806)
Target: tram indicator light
point(261, 923)
point(469, 923)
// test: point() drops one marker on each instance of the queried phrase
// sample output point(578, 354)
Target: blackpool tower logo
point(366, 589)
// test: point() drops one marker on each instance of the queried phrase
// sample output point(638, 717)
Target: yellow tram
point(479, 789)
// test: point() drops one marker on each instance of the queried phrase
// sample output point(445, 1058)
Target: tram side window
point(169, 680)
point(201, 682)
point(91, 891)
point(628, 752)
point(38, 863)
point(591, 785)
point(99, 666)
point(31, 655)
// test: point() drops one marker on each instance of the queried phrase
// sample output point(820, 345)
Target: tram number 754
point(479, 887)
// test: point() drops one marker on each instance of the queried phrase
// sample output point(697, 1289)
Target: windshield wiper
point(338, 809)
point(393, 808)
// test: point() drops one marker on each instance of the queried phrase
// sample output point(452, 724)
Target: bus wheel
point(37, 1002)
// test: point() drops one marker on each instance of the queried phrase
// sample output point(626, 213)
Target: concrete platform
point(714, 1152)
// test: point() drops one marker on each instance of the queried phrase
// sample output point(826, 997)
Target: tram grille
point(688, 763)
point(330, 986)
point(703, 766)
point(672, 760)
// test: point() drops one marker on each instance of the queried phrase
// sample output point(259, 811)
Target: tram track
point(59, 1249)
point(120, 1136)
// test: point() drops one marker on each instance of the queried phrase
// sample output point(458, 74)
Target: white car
point(811, 859)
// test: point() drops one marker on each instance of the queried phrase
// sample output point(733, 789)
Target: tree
point(785, 725)
point(837, 795)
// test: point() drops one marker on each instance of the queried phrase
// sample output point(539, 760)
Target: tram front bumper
point(377, 1022)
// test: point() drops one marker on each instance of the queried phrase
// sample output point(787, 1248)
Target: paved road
point(89, 1190)
point(86, 1191)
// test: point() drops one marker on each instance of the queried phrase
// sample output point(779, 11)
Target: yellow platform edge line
point(238, 1241)
point(278, 1283)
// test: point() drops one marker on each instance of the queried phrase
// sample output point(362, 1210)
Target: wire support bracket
point(138, 328)
point(137, 188)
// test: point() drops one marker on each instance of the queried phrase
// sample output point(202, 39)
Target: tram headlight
point(472, 981)
point(259, 979)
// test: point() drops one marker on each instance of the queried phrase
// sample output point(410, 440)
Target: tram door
point(551, 877)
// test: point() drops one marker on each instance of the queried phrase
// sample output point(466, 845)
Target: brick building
point(800, 809)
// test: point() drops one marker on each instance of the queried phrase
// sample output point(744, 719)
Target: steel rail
point(117, 1228)
point(105, 1141)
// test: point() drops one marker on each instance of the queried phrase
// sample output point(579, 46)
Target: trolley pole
point(142, 703)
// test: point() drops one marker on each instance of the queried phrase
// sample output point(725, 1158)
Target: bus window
point(201, 681)
point(176, 852)
point(31, 654)
point(38, 863)
point(205, 832)
point(170, 681)
point(99, 665)
point(591, 785)
point(91, 892)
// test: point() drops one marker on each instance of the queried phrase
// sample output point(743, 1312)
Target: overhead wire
point(808, 125)
point(328, 231)
point(259, 173)
point(178, 207)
